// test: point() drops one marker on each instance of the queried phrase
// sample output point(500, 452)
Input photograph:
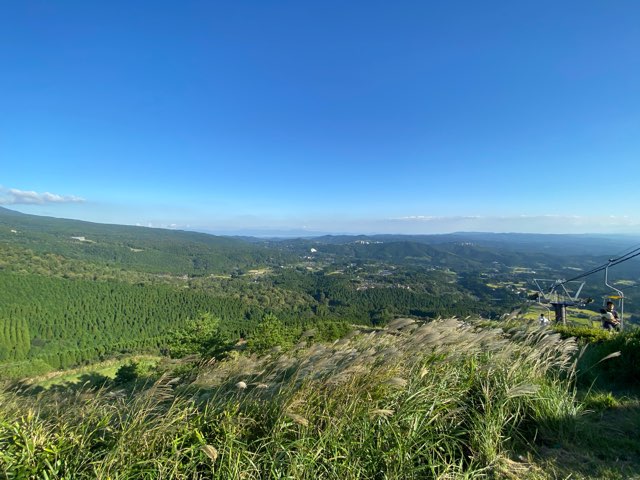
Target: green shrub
point(135, 371)
point(600, 401)
point(269, 334)
point(201, 336)
point(584, 334)
point(24, 368)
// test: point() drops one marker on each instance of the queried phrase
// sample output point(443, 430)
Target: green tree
point(270, 333)
point(126, 373)
point(200, 336)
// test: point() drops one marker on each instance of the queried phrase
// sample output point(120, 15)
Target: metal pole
point(560, 310)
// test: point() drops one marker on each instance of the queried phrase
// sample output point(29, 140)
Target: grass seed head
point(210, 452)
point(396, 382)
point(299, 419)
point(382, 412)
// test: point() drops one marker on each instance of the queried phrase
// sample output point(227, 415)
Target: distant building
point(82, 239)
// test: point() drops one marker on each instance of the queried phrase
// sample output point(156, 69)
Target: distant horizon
point(266, 232)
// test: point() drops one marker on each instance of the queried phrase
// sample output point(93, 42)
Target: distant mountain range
point(561, 244)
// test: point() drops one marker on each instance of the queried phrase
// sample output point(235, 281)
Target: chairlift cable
point(632, 248)
point(586, 274)
point(611, 262)
point(625, 259)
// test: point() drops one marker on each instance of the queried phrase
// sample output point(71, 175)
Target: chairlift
point(560, 298)
point(617, 297)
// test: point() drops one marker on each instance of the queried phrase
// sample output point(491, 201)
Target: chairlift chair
point(618, 296)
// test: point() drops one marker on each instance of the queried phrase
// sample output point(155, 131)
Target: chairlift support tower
point(559, 298)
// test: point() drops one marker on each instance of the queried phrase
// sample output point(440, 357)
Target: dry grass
point(441, 400)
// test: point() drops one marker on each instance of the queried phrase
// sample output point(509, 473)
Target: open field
point(106, 369)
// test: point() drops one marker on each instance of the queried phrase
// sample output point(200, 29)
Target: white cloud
point(13, 196)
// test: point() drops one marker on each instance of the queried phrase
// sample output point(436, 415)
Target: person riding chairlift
point(610, 320)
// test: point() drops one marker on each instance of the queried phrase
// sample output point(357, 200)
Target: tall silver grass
point(439, 400)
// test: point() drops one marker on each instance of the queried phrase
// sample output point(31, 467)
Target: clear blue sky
point(328, 116)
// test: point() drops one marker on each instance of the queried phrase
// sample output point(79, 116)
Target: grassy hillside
point(444, 400)
point(404, 406)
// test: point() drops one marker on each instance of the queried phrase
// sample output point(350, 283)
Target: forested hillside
point(64, 316)
point(65, 322)
point(140, 248)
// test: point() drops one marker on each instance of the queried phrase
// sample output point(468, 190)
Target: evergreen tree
point(271, 332)
point(200, 336)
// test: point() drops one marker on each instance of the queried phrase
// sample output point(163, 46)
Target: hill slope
point(139, 248)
